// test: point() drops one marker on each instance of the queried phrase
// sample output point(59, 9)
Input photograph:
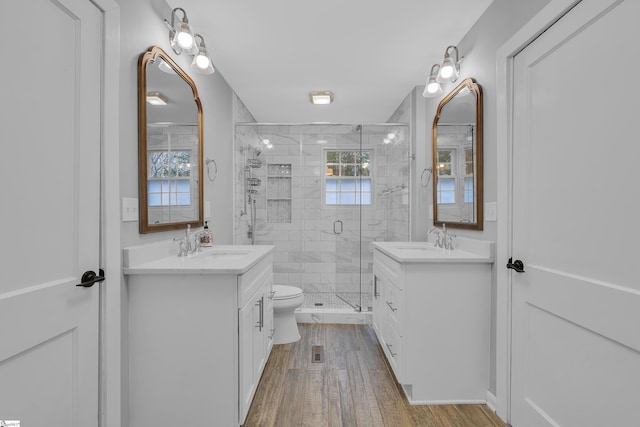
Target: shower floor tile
point(331, 301)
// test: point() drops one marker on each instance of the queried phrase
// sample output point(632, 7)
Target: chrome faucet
point(188, 247)
point(444, 240)
point(182, 251)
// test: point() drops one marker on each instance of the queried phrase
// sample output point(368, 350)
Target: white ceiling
point(369, 53)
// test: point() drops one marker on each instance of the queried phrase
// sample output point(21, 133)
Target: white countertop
point(466, 251)
point(161, 258)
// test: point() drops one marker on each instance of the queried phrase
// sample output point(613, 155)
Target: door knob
point(90, 278)
point(516, 265)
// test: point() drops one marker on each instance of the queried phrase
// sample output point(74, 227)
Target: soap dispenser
point(206, 238)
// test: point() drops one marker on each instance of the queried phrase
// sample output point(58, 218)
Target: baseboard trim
point(491, 401)
point(446, 402)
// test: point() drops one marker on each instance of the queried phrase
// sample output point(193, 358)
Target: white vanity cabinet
point(431, 314)
point(199, 335)
point(255, 318)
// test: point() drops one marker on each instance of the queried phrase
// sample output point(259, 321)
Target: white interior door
point(576, 308)
point(50, 174)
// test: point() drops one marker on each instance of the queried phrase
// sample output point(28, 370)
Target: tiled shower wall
point(308, 254)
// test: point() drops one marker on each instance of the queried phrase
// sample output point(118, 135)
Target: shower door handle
point(335, 231)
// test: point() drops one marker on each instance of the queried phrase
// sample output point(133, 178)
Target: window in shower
point(348, 178)
point(169, 178)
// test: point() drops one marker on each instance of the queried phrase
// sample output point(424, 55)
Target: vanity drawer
point(391, 268)
point(394, 302)
point(249, 282)
point(393, 350)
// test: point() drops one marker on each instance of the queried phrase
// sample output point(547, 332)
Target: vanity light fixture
point(449, 69)
point(180, 33)
point(321, 97)
point(183, 39)
point(201, 61)
point(155, 98)
point(433, 87)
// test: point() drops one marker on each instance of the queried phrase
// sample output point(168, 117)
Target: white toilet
point(285, 301)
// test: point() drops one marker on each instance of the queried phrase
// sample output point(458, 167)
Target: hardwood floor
point(353, 386)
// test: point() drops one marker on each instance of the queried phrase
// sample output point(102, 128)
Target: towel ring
point(422, 183)
point(215, 169)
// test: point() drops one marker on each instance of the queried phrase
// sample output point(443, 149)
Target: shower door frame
point(343, 214)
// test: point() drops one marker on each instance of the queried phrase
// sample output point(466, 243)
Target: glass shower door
point(348, 187)
point(382, 180)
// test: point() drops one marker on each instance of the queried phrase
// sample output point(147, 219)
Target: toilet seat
point(285, 292)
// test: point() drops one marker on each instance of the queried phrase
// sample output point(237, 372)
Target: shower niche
point(326, 191)
point(279, 193)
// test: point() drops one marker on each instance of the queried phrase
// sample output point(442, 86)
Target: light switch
point(490, 211)
point(207, 209)
point(129, 209)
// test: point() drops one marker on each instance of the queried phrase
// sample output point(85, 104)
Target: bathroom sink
point(161, 258)
point(465, 250)
point(223, 254)
point(418, 247)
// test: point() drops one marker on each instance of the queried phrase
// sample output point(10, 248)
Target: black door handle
point(516, 265)
point(89, 278)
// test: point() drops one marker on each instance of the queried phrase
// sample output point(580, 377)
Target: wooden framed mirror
point(457, 158)
point(169, 145)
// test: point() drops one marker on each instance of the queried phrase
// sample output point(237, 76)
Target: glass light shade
point(184, 36)
point(449, 70)
point(202, 62)
point(183, 39)
point(432, 88)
